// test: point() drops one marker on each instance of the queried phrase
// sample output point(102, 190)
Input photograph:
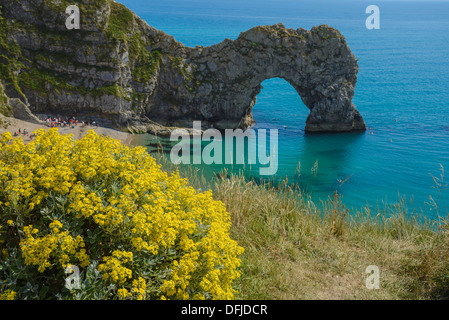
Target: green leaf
point(43, 292)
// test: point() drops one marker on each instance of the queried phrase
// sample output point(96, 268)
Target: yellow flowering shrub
point(132, 230)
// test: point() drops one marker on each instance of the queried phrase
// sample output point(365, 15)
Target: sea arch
point(318, 64)
point(279, 105)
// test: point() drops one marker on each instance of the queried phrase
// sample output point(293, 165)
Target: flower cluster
point(58, 245)
point(96, 203)
point(7, 295)
point(113, 268)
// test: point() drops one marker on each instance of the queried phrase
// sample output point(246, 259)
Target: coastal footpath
point(123, 73)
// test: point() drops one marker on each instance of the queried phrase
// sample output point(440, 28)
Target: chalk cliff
point(118, 69)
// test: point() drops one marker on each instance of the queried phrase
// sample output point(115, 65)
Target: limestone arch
point(318, 64)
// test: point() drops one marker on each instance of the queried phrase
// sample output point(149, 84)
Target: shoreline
point(13, 125)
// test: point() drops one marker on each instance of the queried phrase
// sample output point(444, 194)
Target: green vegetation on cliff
point(19, 72)
point(133, 231)
point(4, 108)
point(44, 81)
point(296, 249)
point(47, 70)
point(122, 29)
point(10, 63)
point(120, 22)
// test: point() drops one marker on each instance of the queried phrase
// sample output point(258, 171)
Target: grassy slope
point(295, 251)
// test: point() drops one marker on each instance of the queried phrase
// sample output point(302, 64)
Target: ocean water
point(402, 93)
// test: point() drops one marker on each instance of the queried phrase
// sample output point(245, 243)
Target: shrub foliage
point(108, 211)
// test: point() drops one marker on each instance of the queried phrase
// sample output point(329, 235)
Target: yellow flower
point(42, 251)
point(130, 210)
point(113, 268)
point(122, 293)
point(8, 295)
point(7, 136)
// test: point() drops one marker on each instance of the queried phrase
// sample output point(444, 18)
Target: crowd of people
point(57, 121)
point(66, 122)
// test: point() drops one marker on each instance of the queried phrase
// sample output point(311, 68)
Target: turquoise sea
point(402, 93)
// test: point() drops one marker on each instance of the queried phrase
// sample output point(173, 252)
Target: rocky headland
point(119, 70)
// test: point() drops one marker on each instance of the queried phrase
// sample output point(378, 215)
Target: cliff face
point(119, 69)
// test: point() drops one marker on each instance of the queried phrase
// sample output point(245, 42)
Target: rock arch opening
point(278, 105)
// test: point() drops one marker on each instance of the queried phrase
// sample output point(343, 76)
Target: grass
point(295, 249)
point(41, 80)
point(120, 22)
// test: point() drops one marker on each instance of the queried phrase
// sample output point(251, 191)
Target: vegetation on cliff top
point(127, 224)
point(296, 249)
point(132, 230)
point(122, 28)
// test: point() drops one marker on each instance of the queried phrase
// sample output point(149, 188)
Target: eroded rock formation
point(121, 70)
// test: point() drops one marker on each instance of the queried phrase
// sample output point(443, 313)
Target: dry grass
point(296, 250)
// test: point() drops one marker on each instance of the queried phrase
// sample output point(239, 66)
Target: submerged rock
point(120, 69)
